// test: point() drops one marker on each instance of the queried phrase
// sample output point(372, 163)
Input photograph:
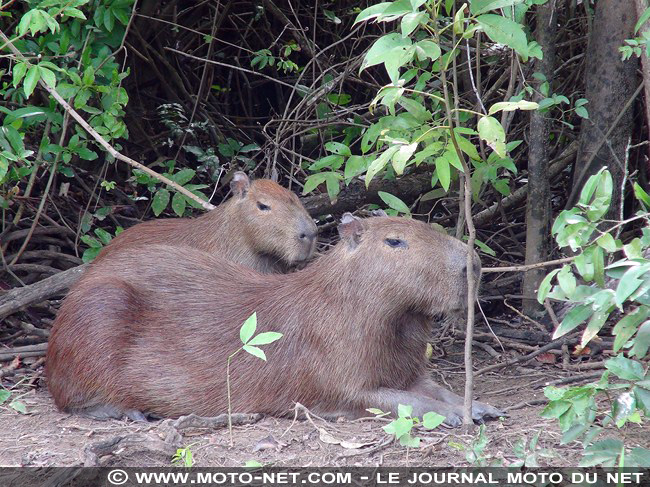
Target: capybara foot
point(482, 412)
point(106, 411)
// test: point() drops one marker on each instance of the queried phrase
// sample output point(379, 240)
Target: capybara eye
point(396, 243)
point(263, 207)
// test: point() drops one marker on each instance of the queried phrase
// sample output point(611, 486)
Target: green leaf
point(640, 194)
point(411, 21)
point(595, 324)
point(109, 19)
point(338, 148)
point(47, 76)
point(545, 286)
point(409, 441)
point(393, 50)
point(332, 161)
point(607, 242)
point(625, 368)
point(404, 410)
point(491, 131)
point(183, 176)
point(248, 328)
point(627, 327)
point(467, 147)
point(642, 20)
point(402, 156)
point(18, 406)
point(31, 79)
point(401, 426)
point(178, 204)
point(372, 12)
point(510, 106)
point(642, 341)
point(257, 352)
point(432, 420)
point(86, 154)
point(394, 202)
point(572, 319)
point(4, 395)
point(253, 464)
point(505, 31)
point(443, 172)
point(354, 166)
point(19, 71)
point(567, 280)
point(160, 201)
point(90, 254)
point(89, 76)
point(103, 235)
point(380, 163)
point(265, 338)
point(74, 12)
point(481, 6)
point(427, 49)
point(628, 283)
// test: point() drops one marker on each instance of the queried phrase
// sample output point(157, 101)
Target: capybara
point(149, 331)
point(262, 226)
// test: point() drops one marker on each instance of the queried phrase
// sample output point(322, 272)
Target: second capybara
point(149, 331)
point(262, 226)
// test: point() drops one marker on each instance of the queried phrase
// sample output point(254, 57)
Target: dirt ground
point(46, 437)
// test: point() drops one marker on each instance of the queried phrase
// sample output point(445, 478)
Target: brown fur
point(237, 230)
point(150, 329)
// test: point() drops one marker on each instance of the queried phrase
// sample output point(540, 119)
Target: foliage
point(11, 400)
point(251, 344)
point(420, 126)
point(183, 457)
point(636, 45)
point(402, 427)
point(621, 287)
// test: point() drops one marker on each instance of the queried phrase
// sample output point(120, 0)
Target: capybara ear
point(350, 229)
point(240, 184)
point(378, 212)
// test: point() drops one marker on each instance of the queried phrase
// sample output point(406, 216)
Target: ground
point(46, 437)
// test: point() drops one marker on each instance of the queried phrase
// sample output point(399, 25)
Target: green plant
point(606, 279)
point(422, 125)
point(527, 453)
point(264, 58)
point(16, 404)
point(250, 344)
point(402, 427)
point(183, 457)
point(95, 245)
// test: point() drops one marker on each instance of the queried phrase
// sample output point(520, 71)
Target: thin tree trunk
point(641, 6)
point(538, 204)
point(610, 83)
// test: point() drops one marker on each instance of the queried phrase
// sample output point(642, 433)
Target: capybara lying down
point(263, 226)
point(149, 330)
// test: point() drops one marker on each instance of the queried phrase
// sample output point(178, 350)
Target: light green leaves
point(393, 50)
point(491, 131)
point(505, 31)
point(510, 106)
point(251, 343)
point(31, 79)
point(394, 202)
point(160, 201)
point(481, 6)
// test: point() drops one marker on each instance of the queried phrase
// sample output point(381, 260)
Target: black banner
point(343, 476)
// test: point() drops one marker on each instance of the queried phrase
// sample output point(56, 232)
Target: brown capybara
point(262, 226)
point(149, 331)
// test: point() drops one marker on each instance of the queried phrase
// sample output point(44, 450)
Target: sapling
point(250, 345)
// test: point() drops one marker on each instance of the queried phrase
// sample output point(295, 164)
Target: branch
point(100, 140)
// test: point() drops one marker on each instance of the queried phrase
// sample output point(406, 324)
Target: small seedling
point(183, 457)
point(402, 426)
point(250, 345)
point(15, 404)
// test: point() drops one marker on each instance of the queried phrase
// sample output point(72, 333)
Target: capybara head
point(274, 220)
point(408, 258)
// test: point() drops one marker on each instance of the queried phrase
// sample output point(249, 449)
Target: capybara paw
point(482, 411)
point(453, 420)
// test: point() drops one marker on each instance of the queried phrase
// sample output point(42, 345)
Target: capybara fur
point(262, 226)
point(149, 331)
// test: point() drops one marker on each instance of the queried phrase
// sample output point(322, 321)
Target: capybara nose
point(308, 236)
